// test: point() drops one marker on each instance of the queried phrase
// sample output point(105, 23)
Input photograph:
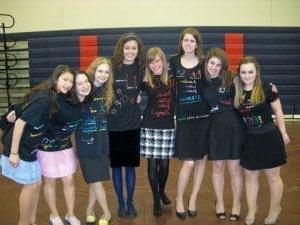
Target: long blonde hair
point(150, 56)
point(257, 94)
point(108, 91)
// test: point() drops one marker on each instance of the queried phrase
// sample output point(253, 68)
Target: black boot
point(164, 198)
point(157, 210)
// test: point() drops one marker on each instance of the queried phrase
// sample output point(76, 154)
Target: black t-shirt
point(190, 104)
point(125, 113)
point(257, 115)
point(36, 115)
point(61, 126)
point(91, 133)
point(159, 112)
point(219, 98)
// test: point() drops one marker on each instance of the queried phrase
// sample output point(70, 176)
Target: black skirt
point(95, 169)
point(226, 136)
point(124, 148)
point(191, 139)
point(265, 149)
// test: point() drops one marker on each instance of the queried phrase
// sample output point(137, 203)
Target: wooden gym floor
point(9, 193)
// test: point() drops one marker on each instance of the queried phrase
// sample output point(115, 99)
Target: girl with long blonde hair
point(266, 140)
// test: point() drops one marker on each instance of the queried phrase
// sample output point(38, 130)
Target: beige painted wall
point(43, 15)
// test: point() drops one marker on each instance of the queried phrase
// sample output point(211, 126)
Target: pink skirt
point(57, 164)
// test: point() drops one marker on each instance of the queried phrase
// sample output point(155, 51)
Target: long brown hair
point(224, 74)
point(108, 90)
point(50, 85)
point(199, 43)
point(118, 55)
point(150, 56)
point(257, 94)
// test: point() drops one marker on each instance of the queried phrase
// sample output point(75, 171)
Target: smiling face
point(248, 75)
point(214, 66)
point(156, 66)
point(189, 43)
point(83, 86)
point(130, 51)
point(64, 83)
point(101, 74)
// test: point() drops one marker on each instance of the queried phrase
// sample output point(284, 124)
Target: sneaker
point(55, 220)
point(72, 220)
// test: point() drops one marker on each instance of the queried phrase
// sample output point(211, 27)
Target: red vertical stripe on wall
point(234, 47)
point(88, 47)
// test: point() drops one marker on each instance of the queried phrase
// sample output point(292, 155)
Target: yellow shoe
point(90, 219)
point(103, 221)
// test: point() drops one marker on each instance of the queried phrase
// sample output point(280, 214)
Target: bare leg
point(91, 203)
point(276, 189)
point(252, 187)
point(25, 200)
point(183, 179)
point(69, 193)
point(199, 170)
point(218, 183)
point(100, 195)
point(50, 195)
point(236, 185)
point(34, 203)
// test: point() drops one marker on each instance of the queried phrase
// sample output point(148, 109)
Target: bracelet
point(14, 153)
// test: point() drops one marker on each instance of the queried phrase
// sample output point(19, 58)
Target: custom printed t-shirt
point(36, 115)
point(159, 112)
point(125, 113)
point(91, 133)
point(219, 99)
point(257, 115)
point(190, 104)
point(61, 126)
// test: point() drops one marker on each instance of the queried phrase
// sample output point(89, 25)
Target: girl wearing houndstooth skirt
point(158, 131)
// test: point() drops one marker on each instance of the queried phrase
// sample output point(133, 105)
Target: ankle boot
point(164, 198)
point(157, 210)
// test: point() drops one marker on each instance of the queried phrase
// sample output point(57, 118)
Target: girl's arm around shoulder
point(277, 109)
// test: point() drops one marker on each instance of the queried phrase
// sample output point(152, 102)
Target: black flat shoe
point(221, 216)
point(122, 212)
point(164, 198)
point(181, 215)
point(234, 217)
point(131, 211)
point(192, 213)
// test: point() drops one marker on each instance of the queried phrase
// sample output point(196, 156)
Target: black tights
point(158, 171)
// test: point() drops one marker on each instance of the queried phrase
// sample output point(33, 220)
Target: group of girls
point(225, 118)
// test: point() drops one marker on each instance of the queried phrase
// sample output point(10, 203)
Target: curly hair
point(118, 54)
point(108, 85)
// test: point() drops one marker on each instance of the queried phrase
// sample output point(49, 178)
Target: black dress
point(124, 118)
point(264, 145)
point(226, 136)
point(191, 111)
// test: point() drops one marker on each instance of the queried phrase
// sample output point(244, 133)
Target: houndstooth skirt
point(157, 143)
